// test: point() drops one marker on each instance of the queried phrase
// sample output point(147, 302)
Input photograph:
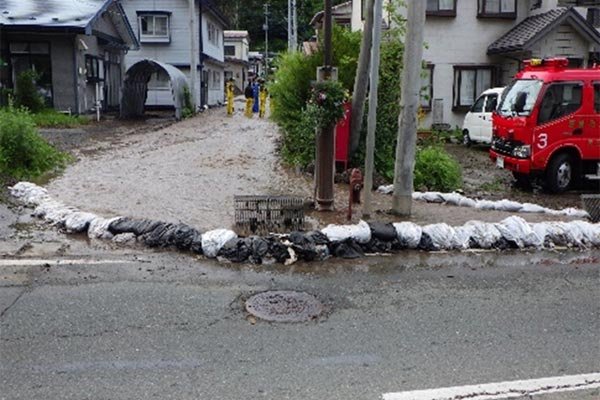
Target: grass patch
point(50, 118)
point(495, 186)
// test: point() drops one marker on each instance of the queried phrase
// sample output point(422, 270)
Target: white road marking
point(42, 262)
point(503, 390)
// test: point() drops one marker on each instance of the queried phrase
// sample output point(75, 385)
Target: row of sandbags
point(457, 199)
point(346, 241)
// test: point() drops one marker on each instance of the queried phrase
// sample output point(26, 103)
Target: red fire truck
point(547, 124)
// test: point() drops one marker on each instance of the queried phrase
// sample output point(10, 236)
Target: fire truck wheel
point(466, 138)
point(560, 173)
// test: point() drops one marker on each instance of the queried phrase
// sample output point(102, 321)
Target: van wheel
point(466, 138)
point(560, 173)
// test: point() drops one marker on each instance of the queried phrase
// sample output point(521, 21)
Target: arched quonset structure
point(135, 89)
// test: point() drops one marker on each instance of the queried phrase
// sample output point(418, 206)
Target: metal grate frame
point(591, 204)
point(263, 214)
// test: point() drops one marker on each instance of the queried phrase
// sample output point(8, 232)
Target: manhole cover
point(284, 306)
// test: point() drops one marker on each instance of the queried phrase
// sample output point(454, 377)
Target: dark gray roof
point(532, 28)
point(79, 15)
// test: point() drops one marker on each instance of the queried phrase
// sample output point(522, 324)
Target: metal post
point(289, 23)
point(372, 118)
point(294, 26)
point(193, 61)
point(409, 103)
point(266, 28)
point(324, 168)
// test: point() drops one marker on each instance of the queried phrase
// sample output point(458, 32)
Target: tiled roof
point(517, 38)
point(52, 13)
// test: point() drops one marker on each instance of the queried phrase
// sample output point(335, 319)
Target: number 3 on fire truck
point(542, 140)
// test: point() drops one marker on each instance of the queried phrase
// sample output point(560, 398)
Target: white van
point(477, 126)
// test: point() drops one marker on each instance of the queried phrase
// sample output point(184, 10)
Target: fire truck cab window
point(597, 97)
point(560, 99)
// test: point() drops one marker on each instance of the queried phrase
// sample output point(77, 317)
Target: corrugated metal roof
point(53, 13)
point(235, 34)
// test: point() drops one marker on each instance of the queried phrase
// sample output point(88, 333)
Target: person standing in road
point(256, 91)
point(262, 99)
point(249, 95)
point(229, 92)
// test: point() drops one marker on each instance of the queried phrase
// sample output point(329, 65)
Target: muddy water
point(190, 171)
point(186, 172)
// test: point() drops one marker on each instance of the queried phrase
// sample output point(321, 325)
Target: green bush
point(291, 90)
point(26, 93)
point(50, 118)
point(24, 154)
point(436, 170)
point(188, 103)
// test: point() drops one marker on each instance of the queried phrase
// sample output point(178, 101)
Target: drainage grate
point(264, 214)
point(591, 204)
point(284, 306)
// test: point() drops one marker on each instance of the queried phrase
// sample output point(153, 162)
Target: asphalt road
point(166, 326)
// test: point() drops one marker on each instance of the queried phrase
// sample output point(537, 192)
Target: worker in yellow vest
point(229, 93)
point(249, 95)
point(262, 96)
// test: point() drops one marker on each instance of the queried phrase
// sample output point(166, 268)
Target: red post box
point(342, 136)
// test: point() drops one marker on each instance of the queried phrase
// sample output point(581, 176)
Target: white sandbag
point(442, 236)
point(29, 193)
point(453, 198)
point(53, 211)
point(532, 208)
point(98, 228)
point(508, 205)
point(433, 197)
point(575, 213)
point(484, 234)
point(416, 195)
point(79, 221)
point(386, 189)
point(485, 205)
point(408, 233)
point(467, 202)
point(125, 239)
point(516, 229)
point(462, 237)
point(590, 233)
point(360, 232)
point(212, 241)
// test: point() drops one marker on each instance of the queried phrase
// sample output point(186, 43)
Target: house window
point(426, 87)
point(560, 99)
point(213, 34)
point(444, 8)
point(154, 27)
point(34, 56)
point(469, 83)
point(230, 51)
point(497, 8)
point(94, 69)
point(216, 80)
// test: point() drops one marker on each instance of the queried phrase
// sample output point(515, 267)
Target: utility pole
point(409, 103)
point(372, 118)
point(266, 29)
point(292, 21)
point(324, 163)
point(193, 53)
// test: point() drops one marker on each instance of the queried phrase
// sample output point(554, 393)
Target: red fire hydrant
point(356, 185)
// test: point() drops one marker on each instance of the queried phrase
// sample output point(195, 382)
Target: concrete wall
point(239, 72)
point(216, 87)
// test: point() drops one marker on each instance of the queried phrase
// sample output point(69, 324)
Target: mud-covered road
point(189, 172)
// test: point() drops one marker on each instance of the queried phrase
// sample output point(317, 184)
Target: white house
point(171, 34)
point(237, 45)
point(474, 45)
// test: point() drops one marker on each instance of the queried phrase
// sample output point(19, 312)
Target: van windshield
point(531, 88)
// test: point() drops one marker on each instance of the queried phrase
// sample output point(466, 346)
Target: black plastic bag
point(383, 232)
point(133, 225)
point(236, 250)
point(348, 249)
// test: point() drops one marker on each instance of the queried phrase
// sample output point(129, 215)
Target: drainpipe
point(201, 51)
point(193, 60)
point(75, 74)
